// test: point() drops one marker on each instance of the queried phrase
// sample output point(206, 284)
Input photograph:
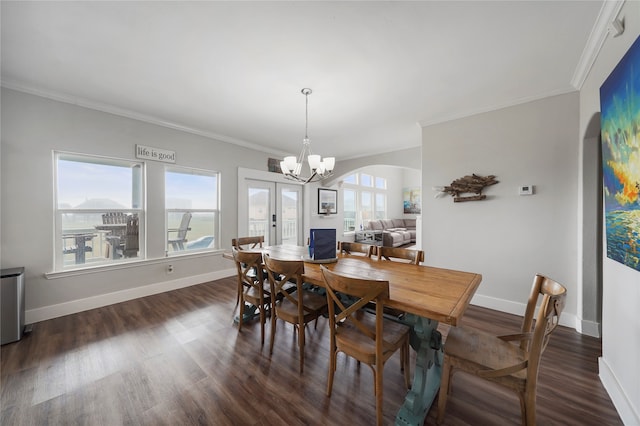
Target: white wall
point(32, 127)
point(620, 361)
point(507, 238)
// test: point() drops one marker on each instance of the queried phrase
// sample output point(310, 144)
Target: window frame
point(216, 212)
point(58, 213)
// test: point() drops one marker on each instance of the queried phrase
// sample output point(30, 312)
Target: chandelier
point(318, 169)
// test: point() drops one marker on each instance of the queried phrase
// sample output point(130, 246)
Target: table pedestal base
point(250, 312)
point(427, 342)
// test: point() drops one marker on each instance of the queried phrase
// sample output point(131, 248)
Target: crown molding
point(110, 109)
point(599, 33)
point(491, 108)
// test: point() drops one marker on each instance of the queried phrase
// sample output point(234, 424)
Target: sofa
point(395, 232)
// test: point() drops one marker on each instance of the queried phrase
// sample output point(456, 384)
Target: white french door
point(274, 210)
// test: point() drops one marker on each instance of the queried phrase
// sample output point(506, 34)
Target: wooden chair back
point(132, 237)
point(298, 307)
point(497, 359)
point(395, 253)
point(371, 339)
point(553, 297)
point(251, 285)
point(348, 247)
point(243, 243)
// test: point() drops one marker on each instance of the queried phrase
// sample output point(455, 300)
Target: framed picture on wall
point(620, 130)
point(412, 200)
point(327, 201)
point(273, 165)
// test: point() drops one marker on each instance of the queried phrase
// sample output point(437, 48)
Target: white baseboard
point(74, 306)
point(590, 328)
point(620, 399)
point(515, 308)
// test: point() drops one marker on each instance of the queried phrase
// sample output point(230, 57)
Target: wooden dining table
point(427, 294)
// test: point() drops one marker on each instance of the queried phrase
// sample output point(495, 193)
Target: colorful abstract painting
point(620, 122)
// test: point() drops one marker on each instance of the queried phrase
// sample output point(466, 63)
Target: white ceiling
point(233, 70)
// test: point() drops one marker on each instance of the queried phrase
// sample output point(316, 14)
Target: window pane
point(381, 183)
point(351, 179)
point(349, 209)
point(381, 203)
point(366, 206)
point(200, 231)
point(366, 180)
point(190, 191)
point(89, 185)
point(259, 208)
point(290, 216)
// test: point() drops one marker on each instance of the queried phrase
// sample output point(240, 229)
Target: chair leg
point(528, 404)
point(262, 321)
point(378, 372)
point(273, 331)
point(332, 369)
point(240, 318)
point(301, 345)
point(445, 382)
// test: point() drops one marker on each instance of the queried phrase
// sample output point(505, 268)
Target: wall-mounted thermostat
point(525, 190)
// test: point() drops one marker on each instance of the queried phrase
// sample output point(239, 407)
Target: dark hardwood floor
point(177, 359)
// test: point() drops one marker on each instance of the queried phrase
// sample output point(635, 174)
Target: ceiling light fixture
point(319, 169)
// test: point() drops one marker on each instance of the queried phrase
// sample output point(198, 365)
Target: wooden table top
point(440, 294)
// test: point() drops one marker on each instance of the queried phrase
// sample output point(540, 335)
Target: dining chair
point(371, 339)
point(177, 243)
point(497, 359)
point(253, 289)
point(395, 253)
point(348, 247)
point(252, 242)
point(298, 307)
point(248, 243)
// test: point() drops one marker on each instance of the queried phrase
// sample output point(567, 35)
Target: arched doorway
point(591, 230)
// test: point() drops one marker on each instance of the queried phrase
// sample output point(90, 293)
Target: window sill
point(126, 264)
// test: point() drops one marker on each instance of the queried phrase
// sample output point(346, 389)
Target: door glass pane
point(259, 209)
point(289, 215)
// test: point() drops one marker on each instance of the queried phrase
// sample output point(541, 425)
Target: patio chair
point(181, 233)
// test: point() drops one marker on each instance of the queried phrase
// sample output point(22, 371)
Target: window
point(192, 209)
point(362, 201)
point(90, 192)
point(366, 180)
point(349, 209)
